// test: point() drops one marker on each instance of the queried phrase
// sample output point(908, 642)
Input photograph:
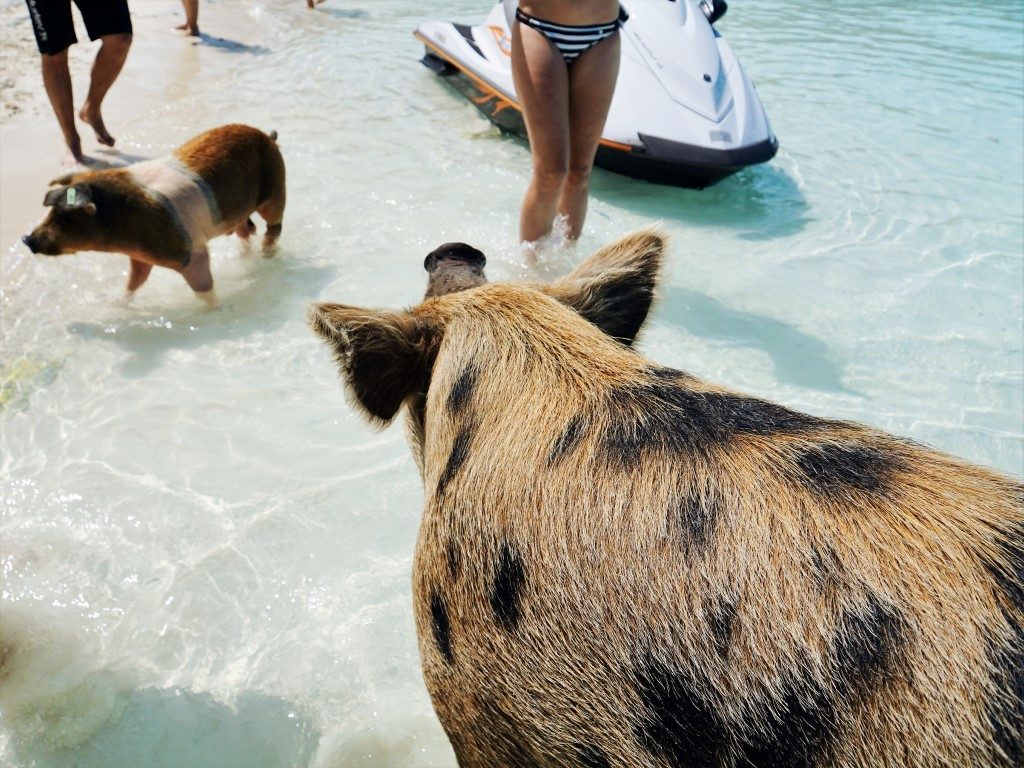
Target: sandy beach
point(144, 110)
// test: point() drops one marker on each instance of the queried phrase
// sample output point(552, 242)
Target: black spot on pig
point(868, 649)
point(666, 418)
point(833, 470)
point(699, 511)
point(568, 441)
point(462, 391)
point(441, 626)
point(453, 559)
point(676, 723)
point(509, 577)
point(458, 456)
point(794, 733)
point(721, 619)
point(801, 728)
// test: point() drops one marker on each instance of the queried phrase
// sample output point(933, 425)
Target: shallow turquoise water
point(217, 550)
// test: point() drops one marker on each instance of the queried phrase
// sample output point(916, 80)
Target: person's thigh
point(542, 84)
point(105, 17)
point(592, 80)
point(52, 25)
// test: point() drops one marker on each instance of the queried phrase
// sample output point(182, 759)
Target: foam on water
point(206, 554)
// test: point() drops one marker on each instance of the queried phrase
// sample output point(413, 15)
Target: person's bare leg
point(105, 70)
point(57, 80)
point(591, 85)
point(542, 84)
point(191, 25)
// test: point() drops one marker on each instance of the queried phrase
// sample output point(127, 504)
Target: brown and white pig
point(621, 564)
point(162, 212)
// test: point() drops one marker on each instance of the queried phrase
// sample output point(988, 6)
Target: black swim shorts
point(51, 21)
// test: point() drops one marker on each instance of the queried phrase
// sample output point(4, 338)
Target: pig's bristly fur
point(622, 565)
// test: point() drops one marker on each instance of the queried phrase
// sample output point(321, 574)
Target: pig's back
point(241, 164)
point(670, 576)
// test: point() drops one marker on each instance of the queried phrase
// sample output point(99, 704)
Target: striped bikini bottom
point(573, 39)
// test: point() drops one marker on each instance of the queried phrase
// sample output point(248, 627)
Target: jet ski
point(683, 114)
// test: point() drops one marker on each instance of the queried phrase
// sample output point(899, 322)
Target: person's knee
point(578, 175)
point(550, 178)
point(117, 44)
point(55, 60)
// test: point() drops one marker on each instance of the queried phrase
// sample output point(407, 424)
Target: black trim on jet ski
point(467, 34)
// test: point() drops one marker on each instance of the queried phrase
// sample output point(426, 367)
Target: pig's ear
point(614, 288)
point(383, 357)
point(76, 198)
point(53, 197)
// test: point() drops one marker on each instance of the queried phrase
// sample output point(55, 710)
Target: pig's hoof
point(246, 229)
point(209, 299)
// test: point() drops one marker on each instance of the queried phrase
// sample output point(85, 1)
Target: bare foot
point(190, 30)
point(74, 151)
point(95, 120)
point(311, 3)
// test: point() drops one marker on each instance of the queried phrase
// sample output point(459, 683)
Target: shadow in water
point(343, 13)
point(104, 159)
point(115, 158)
point(174, 727)
point(799, 358)
point(231, 46)
point(270, 297)
point(761, 203)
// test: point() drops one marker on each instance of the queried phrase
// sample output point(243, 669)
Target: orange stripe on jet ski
point(500, 39)
point(483, 85)
point(490, 92)
point(616, 145)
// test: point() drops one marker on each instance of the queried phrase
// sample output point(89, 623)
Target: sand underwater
point(205, 553)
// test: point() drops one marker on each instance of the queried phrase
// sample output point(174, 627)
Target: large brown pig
point(162, 212)
point(620, 564)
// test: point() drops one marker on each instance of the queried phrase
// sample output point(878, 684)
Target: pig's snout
point(454, 267)
point(42, 244)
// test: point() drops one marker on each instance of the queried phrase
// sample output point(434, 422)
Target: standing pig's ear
point(383, 357)
point(53, 197)
point(76, 198)
point(614, 288)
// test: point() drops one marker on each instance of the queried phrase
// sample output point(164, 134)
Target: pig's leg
point(138, 274)
point(272, 211)
point(272, 197)
point(197, 275)
point(246, 229)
